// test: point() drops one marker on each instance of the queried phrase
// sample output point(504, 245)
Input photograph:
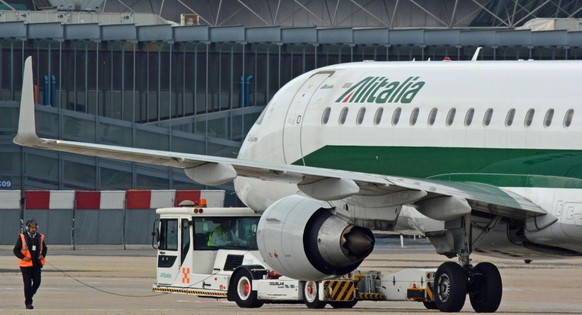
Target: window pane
point(169, 234)
point(529, 117)
point(487, 117)
point(414, 116)
point(469, 117)
point(451, 116)
point(185, 238)
point(343, 115)
point(509, 117)
point(548, 118)
point(378, 116)
point(432, 116)
point(568, 118)
point(396, 116)
point(325, 117)
point(361, 114)
point(225, 233)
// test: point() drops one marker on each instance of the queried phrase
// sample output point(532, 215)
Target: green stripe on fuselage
point(499, 167)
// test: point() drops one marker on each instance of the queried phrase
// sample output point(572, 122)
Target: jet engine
point(301, 238)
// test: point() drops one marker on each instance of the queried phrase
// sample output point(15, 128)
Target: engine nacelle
point(301, 238)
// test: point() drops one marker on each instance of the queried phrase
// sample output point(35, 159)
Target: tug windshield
point(225, 233)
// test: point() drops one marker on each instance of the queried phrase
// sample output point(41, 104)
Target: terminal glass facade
point(196, 96)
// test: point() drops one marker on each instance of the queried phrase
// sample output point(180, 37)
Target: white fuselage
point(411, 119)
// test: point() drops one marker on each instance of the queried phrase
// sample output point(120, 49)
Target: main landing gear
point(453, 281)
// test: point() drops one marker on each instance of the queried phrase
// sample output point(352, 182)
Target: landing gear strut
point(454, 281)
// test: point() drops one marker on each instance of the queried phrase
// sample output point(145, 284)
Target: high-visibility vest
point(26, 252)
point(219, 233)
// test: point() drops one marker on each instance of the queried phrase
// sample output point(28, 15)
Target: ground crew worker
point(30, 249)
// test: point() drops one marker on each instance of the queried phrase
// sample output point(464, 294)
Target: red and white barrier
point(9, 199)
point(86, 200)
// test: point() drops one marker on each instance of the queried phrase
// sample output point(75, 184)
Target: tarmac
point(114, 281)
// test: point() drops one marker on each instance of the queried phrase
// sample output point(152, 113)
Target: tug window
point(529, 117)
point(168, 234)
point(378, 115)
point(469, 117)
point(548, 118)
point(568, 118)
point(225, 233)
point(185, 238)
point(432, 116)
point(414, 116)
point(487, 117)
point(509, 117)
point(396, 116)
point(361, 114)
point(325, 116)
point(343, 115)
point(451, 116)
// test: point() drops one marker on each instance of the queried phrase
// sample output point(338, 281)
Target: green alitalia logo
point(381, 90)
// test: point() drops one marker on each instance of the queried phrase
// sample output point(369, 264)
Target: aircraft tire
point(450, 287)
point(311, 295)
point(243, 293)
point(486, 292)
point(349, 304)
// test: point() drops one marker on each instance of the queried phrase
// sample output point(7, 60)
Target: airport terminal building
point(193, 76)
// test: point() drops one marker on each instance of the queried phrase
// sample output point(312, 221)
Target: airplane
point(478, 156)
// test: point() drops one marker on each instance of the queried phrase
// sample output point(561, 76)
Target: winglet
point(476, 54)
point(26, 135)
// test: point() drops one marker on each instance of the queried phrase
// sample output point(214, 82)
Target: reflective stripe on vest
point(26, 252)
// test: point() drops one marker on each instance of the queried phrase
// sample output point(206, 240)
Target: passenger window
point(396, 116)
point(548, 118)
point(451, 116)
point(432, 116)
point(325, 116)
point(487, 117)
point(414, 116)
point(509, 117)
point(568, 118)
point(529, 117)
point(343, 115)
point(361, 114)
point(469, 117)
point(378, 116)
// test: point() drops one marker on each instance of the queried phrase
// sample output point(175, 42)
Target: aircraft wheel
point(243, 293)
point(450, 287)
point(349, 304)
point(487, 288)
point(311, 295)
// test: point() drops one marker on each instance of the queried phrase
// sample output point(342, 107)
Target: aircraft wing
point(320, 183)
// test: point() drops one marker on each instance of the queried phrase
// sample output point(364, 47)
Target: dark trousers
point(31, 278)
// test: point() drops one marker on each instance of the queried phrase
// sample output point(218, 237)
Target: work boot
point(29, 307)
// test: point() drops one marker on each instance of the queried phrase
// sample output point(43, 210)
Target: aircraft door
point(295, 116)
point(169, 259)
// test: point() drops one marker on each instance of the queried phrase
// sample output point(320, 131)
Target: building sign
point(5, 184)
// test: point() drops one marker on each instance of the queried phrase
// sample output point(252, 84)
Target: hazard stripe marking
point(370, 296)
point(340, 290)
point(196, 292)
